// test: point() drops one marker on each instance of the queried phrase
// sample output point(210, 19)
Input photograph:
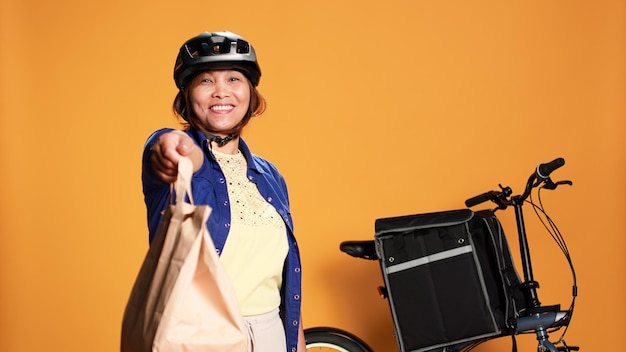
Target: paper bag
point(182, 299)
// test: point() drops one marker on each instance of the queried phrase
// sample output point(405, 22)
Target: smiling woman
point(218, 101)
point(250, 222)
point(213, 72)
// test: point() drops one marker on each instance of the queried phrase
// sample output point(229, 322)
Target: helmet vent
point(243, 47)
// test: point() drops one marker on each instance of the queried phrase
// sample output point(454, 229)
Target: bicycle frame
point(530, 286)
point(540, 318)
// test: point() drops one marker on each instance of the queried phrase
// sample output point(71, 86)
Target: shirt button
point(296, 297)
point(293, 349)
point(269, 199)
point(226, 225)
point(217, 251)
point(225, 203)
point(221, 180)
point(297, 270)
point(295, 323)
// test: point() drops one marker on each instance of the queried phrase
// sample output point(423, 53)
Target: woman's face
point(219, 100)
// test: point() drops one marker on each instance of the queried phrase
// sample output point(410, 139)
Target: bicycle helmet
point(219, 50)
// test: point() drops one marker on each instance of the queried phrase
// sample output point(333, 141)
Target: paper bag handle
point(182, 185)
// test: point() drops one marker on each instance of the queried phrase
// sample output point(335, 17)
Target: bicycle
point(532, 318)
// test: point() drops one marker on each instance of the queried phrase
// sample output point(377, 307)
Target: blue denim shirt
point(209, 187)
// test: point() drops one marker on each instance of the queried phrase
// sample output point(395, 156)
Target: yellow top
point(256, 247)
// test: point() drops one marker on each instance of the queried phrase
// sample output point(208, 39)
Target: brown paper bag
point(182, 300)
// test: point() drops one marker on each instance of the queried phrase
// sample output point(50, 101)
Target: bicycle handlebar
point(542, 173)
point(544, 170)
point(481, 198)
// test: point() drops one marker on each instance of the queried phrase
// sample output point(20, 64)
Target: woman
point(250, 223)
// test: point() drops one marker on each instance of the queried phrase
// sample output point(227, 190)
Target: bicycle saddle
point(360, 249)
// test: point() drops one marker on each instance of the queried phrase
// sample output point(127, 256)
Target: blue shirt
point(209, 187)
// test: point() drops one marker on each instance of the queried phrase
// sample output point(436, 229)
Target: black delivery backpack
point(450, 278)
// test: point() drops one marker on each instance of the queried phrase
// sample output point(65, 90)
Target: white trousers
point(265, 332)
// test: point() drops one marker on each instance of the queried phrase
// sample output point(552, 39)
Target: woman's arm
point(301, 340)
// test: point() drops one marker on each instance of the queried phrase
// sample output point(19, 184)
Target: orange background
point(376, 109)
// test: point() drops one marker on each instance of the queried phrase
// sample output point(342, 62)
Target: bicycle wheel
point(325, 339)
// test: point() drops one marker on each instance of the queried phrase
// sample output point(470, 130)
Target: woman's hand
point(168, 149)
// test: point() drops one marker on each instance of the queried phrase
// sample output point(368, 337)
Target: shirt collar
point(243, 148)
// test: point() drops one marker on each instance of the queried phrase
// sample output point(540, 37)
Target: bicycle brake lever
point(502, 198)
point(549, 184)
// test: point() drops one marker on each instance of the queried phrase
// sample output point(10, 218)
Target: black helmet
point(216, 50)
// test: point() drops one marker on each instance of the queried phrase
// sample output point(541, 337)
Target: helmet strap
point(221, 141)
